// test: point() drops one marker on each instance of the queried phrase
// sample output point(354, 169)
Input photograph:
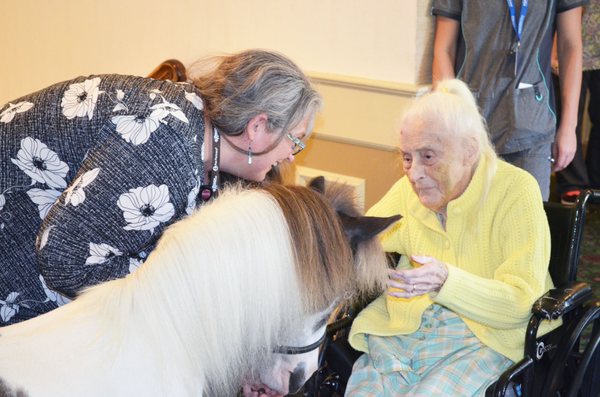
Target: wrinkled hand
point(429, 277)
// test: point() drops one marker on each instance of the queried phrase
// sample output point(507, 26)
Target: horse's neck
point(221, 299)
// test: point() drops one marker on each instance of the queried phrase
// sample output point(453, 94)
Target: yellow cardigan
point(497, 251)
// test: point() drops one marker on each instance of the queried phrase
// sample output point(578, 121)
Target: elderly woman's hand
point(429, 277)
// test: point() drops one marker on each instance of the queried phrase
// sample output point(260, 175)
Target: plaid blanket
point(442, 358)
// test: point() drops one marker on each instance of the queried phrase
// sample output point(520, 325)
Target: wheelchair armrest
point(558, 301)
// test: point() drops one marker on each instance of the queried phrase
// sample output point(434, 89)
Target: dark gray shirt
point(518, 107)
point(92, 170)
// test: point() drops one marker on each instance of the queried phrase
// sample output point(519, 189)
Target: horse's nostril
point(297, 379)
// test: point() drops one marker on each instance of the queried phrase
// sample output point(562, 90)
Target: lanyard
point(517, 24)
point(210, 191)
point(517, 27)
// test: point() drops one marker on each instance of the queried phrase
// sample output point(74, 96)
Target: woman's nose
point(416, 172)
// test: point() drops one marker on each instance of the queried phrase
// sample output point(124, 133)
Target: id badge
point(512, 59)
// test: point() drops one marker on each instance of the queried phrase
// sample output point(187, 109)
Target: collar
point(464, 204)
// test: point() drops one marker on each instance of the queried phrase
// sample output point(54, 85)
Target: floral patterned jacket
point(92, 170)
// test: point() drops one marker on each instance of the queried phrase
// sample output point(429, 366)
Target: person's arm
point(110, 217)
point(569, 49)
point(520, 251)
point(444, 48)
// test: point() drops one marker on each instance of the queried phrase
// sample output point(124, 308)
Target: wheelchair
point(565, 362)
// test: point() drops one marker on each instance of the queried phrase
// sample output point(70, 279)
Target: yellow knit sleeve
point(498, 285)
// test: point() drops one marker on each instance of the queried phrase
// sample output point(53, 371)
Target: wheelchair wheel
point(576, 363)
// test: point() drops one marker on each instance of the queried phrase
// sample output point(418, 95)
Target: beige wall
point(356, 134)
point(44, 41)
point(367, 58)
point(379, 168)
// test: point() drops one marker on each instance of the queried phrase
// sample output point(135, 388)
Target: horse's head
point(337, 258)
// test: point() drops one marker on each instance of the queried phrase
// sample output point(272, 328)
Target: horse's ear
point(317, 184)
point(363, 228)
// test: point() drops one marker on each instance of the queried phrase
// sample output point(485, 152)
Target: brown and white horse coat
point(226, 288)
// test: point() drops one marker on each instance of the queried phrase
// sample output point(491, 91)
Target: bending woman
point(475, 247)
point(92, 170)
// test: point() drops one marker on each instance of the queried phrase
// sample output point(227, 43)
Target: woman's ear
point(256, 126)
point(471, 151)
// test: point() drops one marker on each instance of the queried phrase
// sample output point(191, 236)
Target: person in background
point(92, 170)
point(475, 246)
point(502, 50)
point(584, 171)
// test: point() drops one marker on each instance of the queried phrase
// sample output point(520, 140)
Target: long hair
point(232, 280)
point(328, 275)
point(237, 87)
point(224, 287)
point(229, 270)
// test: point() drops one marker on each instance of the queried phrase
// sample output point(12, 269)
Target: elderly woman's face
point(438, 167)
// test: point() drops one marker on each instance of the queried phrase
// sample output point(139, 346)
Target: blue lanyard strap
point(517, 24)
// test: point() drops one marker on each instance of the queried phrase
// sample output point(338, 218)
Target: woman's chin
point(430, 200)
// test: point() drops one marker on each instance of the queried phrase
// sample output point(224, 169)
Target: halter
point(300, 350)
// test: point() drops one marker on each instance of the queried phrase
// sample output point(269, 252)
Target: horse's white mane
point(247, 272)
point(210, 250)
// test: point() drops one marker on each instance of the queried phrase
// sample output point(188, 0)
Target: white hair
point(176, 289)
point(223, 289)
point(452, 110)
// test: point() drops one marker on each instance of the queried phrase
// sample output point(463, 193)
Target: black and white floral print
point(195, 100)
point(117, 162)
point(7, 115)
point(42, 239)
point(137, 128)
point(192, 197)
point(100, 253)
point(9, 307)
point(75, 194)
point(44, 198)
point(80, 99)
point(144, 208)
point(134, 264)
point(41, 164)
point(53, 296)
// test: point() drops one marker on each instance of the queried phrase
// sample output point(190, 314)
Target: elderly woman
point(475, 246)
point(92, 170)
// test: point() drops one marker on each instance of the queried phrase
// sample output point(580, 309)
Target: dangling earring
point(250, 153)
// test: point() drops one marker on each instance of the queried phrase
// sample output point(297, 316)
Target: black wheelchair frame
point(565, 362)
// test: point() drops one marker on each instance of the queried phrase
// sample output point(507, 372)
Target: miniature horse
point(227, 298)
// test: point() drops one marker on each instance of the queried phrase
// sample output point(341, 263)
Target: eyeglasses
point(298, 144)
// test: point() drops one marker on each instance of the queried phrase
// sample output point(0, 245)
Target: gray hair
point(241, 86)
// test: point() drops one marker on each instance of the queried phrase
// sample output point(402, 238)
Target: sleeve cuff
point(441, 13)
